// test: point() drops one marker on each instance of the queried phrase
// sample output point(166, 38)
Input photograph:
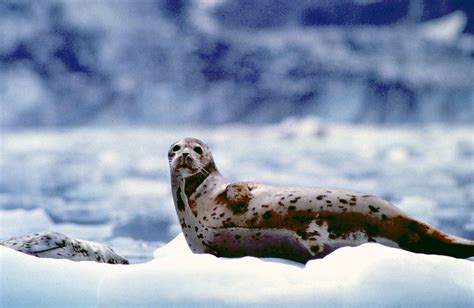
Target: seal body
point(58, 246)
point(234, 219)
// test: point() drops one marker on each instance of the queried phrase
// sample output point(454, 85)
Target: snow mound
point(368, 275)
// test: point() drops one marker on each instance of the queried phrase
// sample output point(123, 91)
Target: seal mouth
point(185, 164)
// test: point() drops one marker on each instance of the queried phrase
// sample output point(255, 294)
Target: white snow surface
point(368, 275)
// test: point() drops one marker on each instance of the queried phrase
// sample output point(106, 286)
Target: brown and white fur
point(231, 219)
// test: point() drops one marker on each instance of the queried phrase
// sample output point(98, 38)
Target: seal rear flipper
point(434, 246)
point(424, 238)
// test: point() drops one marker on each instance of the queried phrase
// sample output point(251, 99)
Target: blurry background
point(81, 62)
point(374, 96)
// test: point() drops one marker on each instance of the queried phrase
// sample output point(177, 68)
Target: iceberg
point(368, 275)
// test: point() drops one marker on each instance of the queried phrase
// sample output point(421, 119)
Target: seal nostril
point(185, 155)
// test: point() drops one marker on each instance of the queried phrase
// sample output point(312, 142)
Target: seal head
point(190, 156)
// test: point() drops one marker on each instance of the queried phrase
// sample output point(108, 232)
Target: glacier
point(166, 62)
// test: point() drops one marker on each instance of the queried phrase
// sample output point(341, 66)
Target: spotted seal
point(234, 219)
point(58, 246)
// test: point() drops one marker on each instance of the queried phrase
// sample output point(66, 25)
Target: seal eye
point(176, 148)
point(198, 150)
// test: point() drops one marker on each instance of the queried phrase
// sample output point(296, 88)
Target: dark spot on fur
point(237, 236)
point(222, 214)
point(374, 209)
point(343, 201)
point(302, 218)
point(239, 208)
point(292, 208)
point(295, 200)
point(200, 236)
point(280, 204)
point(196, 229)
point(302, 234)
point(267, 215)
point(179, 200)
point(320, 197)
point(315, 249)
point(229, 225)
point(384, 217)
point(372, 229)
point(265, 206)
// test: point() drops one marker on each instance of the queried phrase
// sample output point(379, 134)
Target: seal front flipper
point(236, 197)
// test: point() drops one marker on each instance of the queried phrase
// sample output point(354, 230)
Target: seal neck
point(193, 182)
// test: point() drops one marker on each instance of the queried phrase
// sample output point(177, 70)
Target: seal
point(58, 246)
point(234, 219)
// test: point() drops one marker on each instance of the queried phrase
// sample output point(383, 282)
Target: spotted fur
point(58, 246)
point(235, 219)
